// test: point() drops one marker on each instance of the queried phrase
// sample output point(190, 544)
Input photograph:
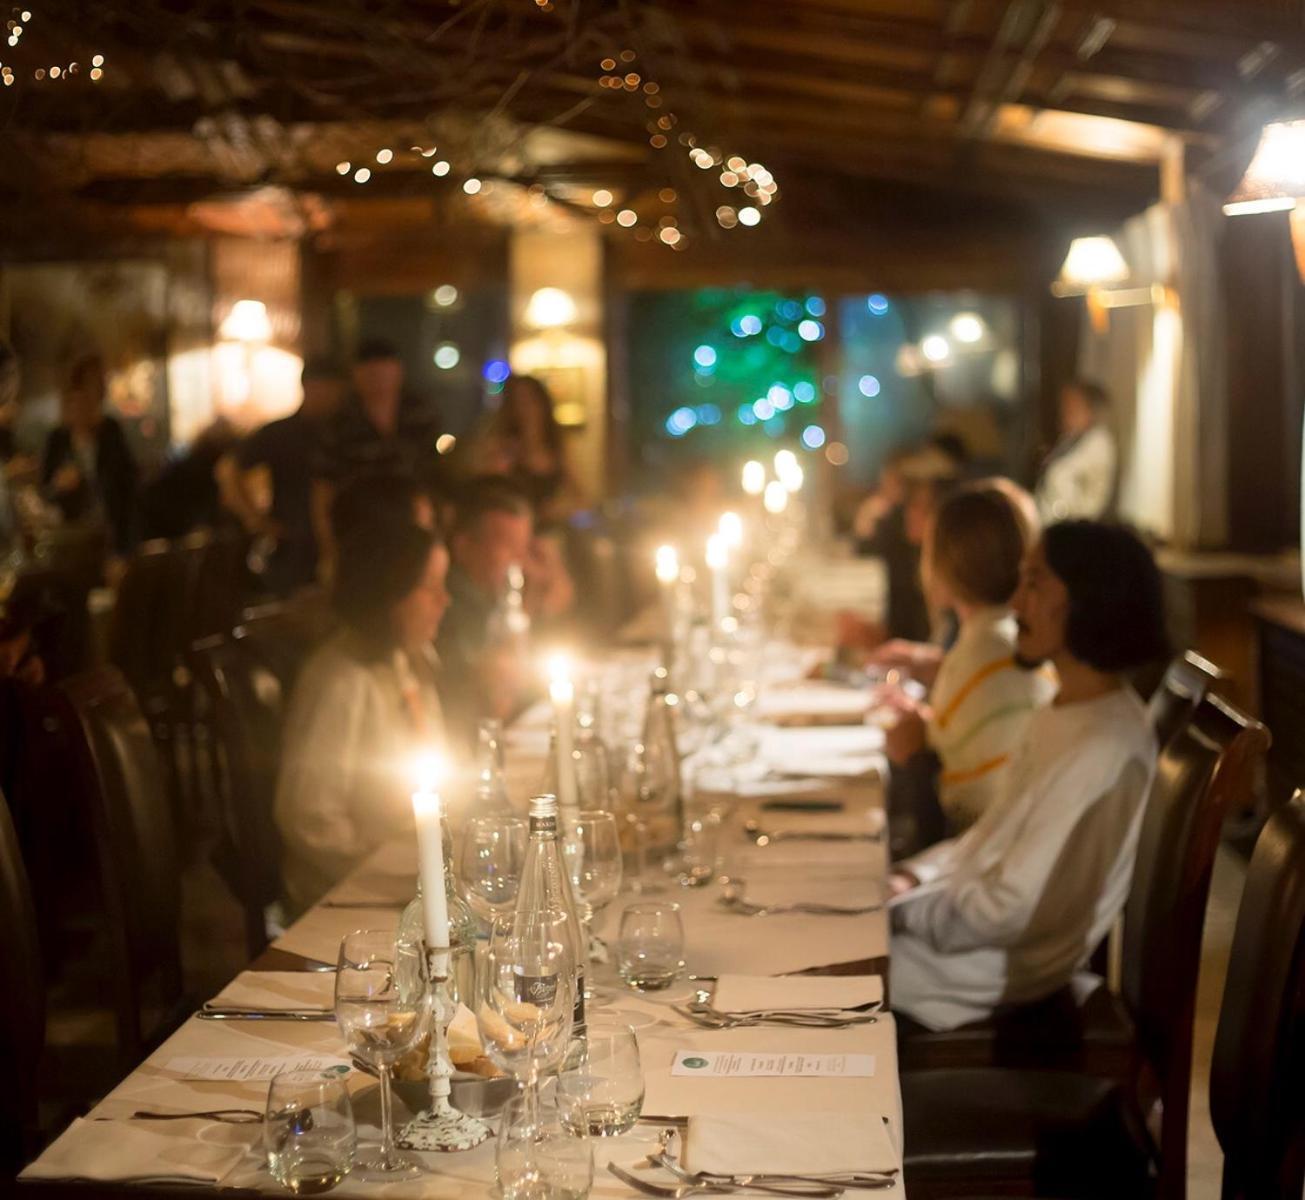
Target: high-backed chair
point(1184, 685)
point(1206, 767)
point(120, 784)
point(1048, 1119)
point(22, 1002)
point(246, 702)
point(1257, 1076)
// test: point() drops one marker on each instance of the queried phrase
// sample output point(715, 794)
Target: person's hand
point(901, 882)
point(896, 652)
point(905, 739)
point(67, 478)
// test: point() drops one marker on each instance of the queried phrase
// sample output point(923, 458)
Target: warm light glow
point(384, 156)
point(718, 552)
point(668, 564)
point(754, 478)
point(472, 186)
point(550, 308)
point(602, 198)
point(561, 690)
point(444, 443)
point(1276, 174)
point(935, 348)
point(967, 328)
point(731, 529)
point(247, 322)
point(1092, 262)
point(775, 498)
point(427, 775)
point(785, 460)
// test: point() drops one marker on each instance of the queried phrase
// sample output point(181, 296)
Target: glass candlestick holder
point(441, 1127)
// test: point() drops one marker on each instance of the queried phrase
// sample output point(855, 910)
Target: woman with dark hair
point(524, 443)
point(88, 469)
point(981, 699)
point(1006, 913)
point(363, 709)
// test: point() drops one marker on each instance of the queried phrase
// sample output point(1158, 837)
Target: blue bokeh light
point(804, 392)
point(816, 306)
point(774, 427)
point(775, 336)
point(868, 385)
point(877, 304)
point(496, 371)
point(681, 421)
point(780, 397)
point(704, 357)
point(746, 415)
point(813, 437)
point(763, 409)
point(708, 414)
point(811, 331)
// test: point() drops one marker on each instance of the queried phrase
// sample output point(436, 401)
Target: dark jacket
point(114, 485)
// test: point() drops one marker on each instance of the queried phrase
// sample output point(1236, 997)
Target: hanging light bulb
point(1275, 179)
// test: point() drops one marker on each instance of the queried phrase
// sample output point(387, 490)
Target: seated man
point(1007, 912)
point(483, 671)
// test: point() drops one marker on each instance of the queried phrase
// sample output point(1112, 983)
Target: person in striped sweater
point(958, 744)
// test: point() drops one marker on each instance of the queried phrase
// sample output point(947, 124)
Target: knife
point(264, 1014)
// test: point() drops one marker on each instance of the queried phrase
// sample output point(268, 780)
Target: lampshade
point(1092, 262)
point(550, 308)
point(1275, 180)
point(247, 322)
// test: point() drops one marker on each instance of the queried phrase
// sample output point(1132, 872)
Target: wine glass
point(525, 1015)
point(383, 1008)
point(592, 850)
point(489, 865)
point(543, 1150)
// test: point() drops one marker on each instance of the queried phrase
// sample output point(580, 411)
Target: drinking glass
point(381, 1021)
point(525, 1016)
point(607, 1083)
point(544, 1151)
point(694, 863)
point(309, 1131)
point(489, 865)
point(591, 846)
point(650, 946)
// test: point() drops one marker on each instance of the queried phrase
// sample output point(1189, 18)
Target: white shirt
point(980, 704)
point(1007, 912)
point(1078, 481)
point(346, 782)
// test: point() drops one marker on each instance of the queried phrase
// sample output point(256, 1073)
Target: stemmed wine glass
point(526, 1013)
point(382, 1005)
point(592, 849)
point(489, 866)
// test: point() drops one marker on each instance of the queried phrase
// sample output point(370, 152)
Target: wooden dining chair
point(22, 1003)
point(1077, 1087)
point(246, 703)
point(120, 784)
point(1257, 1076)
point(1184, 685)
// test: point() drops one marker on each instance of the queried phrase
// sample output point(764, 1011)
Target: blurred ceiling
point(897, 111)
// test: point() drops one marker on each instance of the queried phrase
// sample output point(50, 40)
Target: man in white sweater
point(1007, 912)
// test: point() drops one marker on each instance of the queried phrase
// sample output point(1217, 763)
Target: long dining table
point(839, 791)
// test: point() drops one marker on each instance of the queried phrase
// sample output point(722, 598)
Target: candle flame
point(668, 564)
point(731, 529)
point(428, 773)
point(560, 686)
point(776, 497)
point(754, 477)
point(718, 552)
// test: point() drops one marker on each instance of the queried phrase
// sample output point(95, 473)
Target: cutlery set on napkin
point(274, 996)
point(821, 1002)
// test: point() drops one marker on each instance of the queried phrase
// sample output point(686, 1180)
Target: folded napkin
point(829, 741)
point(844, 892)
point(811, 700)
point(845, 766)
point(278, 989)
point(789, 1143)
point(743, 993)
point(195, 1151)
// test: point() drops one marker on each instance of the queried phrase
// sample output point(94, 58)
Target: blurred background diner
point(676, 408)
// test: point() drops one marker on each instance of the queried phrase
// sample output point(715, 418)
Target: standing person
point(363, 709)
point(524, 443)
point(1007, 912)
point(88, 470)
point(1081, 474)
point(378, 429)
point(288, 450)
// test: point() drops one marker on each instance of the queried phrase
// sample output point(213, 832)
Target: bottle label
point(543, 824)
point(578, 1014)
point(539, 990)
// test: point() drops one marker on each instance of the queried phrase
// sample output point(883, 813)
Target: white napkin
point(278, 989)
point(743, 993)
point(845, 892)
point(790, 1143)
point(195, 1151)
point(847, 766)
point(827, 741)
point(811, 700)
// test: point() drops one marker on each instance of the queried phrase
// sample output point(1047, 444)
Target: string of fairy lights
point(15, 27)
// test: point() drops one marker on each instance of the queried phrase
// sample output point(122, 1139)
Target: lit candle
point(562, 692)
point(428, 812)
point(668, 576)
point(788, 470)
point(776, 497)
point(718, 561)
point(754, 477)
point(731, 529)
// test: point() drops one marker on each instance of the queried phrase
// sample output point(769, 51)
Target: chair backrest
point(248, 712)
point(221, 584)
point(121, 784)
point(283, 636)
point(1203, 774)
point(1184, 685)
point(1257, 1076)
point(137, 645)
point(22, 998)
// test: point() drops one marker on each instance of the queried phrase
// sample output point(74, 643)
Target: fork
point(228, 1116)
point(763, 1180)
point(696, 1186)
point(754, 831)
point(716, 1020)
point(733, 901)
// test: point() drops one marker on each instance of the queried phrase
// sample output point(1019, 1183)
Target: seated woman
point(1006, 913)
point(364, 707)
point(981, 698)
